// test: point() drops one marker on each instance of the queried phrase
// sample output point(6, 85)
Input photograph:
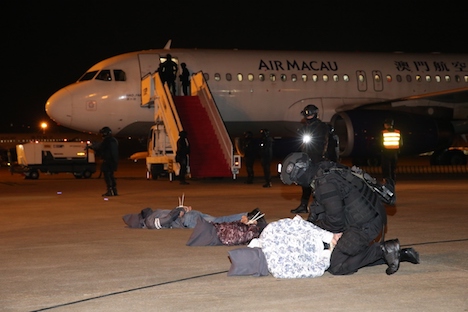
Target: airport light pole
point(44, 127)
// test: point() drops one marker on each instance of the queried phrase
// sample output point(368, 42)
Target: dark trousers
point(343, 264)
point(306, 193)
point(249, 166)
point(183, 170)
point(389, 162)
point(266, 169)
point(109, 179)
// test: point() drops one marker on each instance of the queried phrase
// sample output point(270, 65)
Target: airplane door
point(149, 63)
point(378, 85)
point(361, 80)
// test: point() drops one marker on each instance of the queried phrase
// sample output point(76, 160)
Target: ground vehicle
point(55, 157)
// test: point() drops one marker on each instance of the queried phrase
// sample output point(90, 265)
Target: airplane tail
point(168, 45)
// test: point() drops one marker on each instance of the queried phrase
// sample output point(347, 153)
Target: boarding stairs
point(211, 147)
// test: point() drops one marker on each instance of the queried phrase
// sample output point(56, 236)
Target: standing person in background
point(108, 150)
point(266, 147)
point(391, 144)
point(183, 151)
point(185, 79)
point(168, 72)
point(314, 134)
point(249, 155)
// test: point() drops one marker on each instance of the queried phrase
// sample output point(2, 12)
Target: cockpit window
point(104, 75)
point(119, 75)
point(88, 76)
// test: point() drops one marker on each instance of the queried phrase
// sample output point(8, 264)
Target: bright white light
point(307, 138)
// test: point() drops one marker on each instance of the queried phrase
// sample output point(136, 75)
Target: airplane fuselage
point(268, 89)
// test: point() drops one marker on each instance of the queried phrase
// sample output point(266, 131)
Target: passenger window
point(336, 78)
point(346, 78)
point(447, 78)
point(389, 78)
point(119, 75)
point(240, 77)
point(283, 77)
point(325, 78)
point(206, 76)
point(228, 77)
point(437, 78)
point(466, 78)
point(377, 78)
point(304, 77)
point(272, 77)
point(293, 77)
point(217, 77)
point(104, 75)
point(457, 78)
point(418, 78)
point(314, 78)
point(261, 77)
point(428, 78)
point(408, 78)
point(398, 78)
point(88, 76)
point(250, 77)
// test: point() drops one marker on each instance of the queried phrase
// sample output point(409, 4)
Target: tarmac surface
point(64, 247)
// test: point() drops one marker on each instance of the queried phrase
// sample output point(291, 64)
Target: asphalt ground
point(64, 247)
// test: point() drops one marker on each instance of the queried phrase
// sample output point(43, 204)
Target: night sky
point(48, 46)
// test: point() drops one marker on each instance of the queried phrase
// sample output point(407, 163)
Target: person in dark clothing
point(314, 134)
point(182, 154)
point(346, 205)
point(185, 79)
point(266, 148)
point(333, 148)
point(250, 152)
point(391, 143)
point(168, 72)
point(108, 150)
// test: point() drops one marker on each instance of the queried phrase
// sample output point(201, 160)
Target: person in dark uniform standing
point(250, 152)
point(182, 154)
point(266, 149)
point(168, 72)
point(314, 134)
point(185, 79)
point(391, 143)
point(108, 150)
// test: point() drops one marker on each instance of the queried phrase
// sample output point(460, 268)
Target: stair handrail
point(167, 111)
point(200, 88)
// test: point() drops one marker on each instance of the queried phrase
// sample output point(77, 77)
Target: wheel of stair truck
point(156, 170)
point(32, 174)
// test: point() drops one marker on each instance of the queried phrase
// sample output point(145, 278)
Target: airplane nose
point(59, 107)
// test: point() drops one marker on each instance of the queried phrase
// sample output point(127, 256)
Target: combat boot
point(114, 190)
point(409, 255)
point(109, 192)
point(391, 254)
point(302, 208)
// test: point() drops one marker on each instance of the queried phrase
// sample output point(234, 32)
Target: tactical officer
point(108, 150)
point(182, 154)
point(266, 150)
point(250, 153)
point(345, 204)
point(314, 134)
point(391, 143)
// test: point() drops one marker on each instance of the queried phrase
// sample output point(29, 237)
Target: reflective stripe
point(391, 139)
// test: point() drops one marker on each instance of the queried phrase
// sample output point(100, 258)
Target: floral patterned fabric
point(294, 248)
point(236, 233)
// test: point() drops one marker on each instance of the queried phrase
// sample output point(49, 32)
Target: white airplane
point(426, 94)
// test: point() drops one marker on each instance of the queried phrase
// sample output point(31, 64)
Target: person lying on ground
point(178, 218)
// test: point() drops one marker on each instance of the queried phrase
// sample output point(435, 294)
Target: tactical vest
point(337, 185)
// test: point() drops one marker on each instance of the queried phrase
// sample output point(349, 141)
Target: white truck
point(55, 157)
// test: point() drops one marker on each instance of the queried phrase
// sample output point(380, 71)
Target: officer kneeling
point(348, 203)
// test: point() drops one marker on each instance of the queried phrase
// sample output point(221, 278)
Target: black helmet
point(310, 110)
point(183, 134)
point(389, 121)
point(105, 131)
point(297, 168)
